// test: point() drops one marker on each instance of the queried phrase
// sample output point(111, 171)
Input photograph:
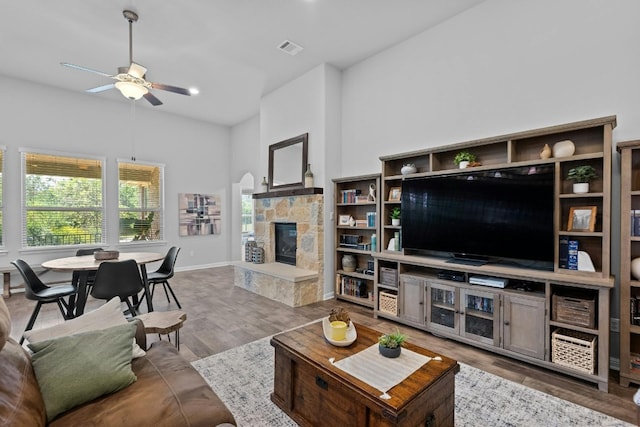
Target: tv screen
point(504, 214)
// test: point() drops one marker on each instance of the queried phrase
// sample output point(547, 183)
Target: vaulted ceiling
point(227, 49)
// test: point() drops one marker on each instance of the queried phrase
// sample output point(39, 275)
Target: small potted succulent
point(395, 216)
point(581, 175)
point(463, 158)
point(391, 344)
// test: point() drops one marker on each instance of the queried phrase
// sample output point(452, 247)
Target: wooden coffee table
point(314, 392)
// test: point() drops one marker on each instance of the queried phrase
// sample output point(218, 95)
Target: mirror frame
point(304, 139)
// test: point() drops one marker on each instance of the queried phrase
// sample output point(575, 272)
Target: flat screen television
point(502, 215)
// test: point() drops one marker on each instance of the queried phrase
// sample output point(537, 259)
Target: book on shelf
point(371, 219)
point(354, 287)
point(349, 196)
point(568, 254)
point(635, 222)
point(635, 311)
point(362, 223)
point(362, 199)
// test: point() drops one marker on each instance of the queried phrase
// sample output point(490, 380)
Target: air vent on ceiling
point(290, 47)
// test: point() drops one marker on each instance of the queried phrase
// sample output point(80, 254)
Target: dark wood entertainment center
point(556, 319)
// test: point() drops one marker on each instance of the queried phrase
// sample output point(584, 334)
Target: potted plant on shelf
point(390, 345)
point(395, 216)
point(582, 175)
point(463, 158)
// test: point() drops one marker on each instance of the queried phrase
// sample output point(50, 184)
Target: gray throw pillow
point(78, 368)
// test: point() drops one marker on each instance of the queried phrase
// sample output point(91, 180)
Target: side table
point(163, 323)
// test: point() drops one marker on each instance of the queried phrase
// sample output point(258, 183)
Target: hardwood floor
point(221, 316)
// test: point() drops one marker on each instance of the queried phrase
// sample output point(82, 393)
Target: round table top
point(88, 262)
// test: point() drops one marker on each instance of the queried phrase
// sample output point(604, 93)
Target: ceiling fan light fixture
point(131, 90)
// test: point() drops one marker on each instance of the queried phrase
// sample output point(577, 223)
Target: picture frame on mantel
point(288, 163)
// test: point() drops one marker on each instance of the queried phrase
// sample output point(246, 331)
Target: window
point(62, 200)
point(141, 201)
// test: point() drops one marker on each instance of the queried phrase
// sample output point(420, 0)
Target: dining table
point(82, 266)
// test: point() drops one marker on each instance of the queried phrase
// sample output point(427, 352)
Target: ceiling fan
point(131, 80)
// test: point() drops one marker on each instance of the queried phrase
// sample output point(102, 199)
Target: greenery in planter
point(582, 174)
point(464, 156)
point(395, 213)
point(393, 340)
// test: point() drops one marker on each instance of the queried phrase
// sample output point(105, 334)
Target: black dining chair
point(162, 275)
point(118, 279)
point(36, 290)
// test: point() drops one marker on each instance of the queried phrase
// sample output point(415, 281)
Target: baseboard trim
point(203, 266)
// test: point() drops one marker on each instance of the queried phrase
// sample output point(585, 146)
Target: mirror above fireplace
point(287, 163)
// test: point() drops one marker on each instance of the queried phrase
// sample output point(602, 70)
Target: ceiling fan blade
point(137, 70)
point(101, 88)
point(152, 99)
point(169, 88)
point(78, 67)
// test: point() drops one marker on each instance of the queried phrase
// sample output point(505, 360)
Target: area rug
point(243, 378)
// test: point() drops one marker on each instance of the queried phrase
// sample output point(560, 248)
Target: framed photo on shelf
point(394, 194)
point(582, 218)
point(344, 219)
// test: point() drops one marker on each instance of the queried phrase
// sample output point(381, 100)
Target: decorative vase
point(389, 352)
point(581, 187)
point(463, 164)
point(265, 185)
point(348, 263)
point(395, 221)
point(564, 148)
point(408, 168)
point(546, 152)
point(635, 268)
point(308, 177)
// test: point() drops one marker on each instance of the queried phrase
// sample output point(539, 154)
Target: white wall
point(195, 155)
point(501, 67)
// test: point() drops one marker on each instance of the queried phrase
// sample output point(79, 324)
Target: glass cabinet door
point(480, 315)
point(443, 308)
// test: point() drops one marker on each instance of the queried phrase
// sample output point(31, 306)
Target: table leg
point(147, 291)
point(80, 282)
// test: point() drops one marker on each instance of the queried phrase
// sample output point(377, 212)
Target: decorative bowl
point(349, 339)
point(408, 168)
point(564, 148)
point(105, 255)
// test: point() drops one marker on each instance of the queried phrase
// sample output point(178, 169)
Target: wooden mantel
point(288, 193)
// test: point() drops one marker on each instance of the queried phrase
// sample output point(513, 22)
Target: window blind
point(140, 201)
point(63, 201)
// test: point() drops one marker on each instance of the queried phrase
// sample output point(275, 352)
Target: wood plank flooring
point(221, 316)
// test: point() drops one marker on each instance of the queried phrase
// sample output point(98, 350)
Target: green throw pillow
point(78, 368)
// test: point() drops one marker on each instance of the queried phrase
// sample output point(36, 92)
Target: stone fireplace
point(297, 216)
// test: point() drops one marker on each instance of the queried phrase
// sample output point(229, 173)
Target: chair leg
point(173, 294)
point(164, 286)
point(65, 309)
point(132, 310)
point(32, 320)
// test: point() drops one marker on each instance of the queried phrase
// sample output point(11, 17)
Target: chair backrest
point(32, 283)
point(169, 262)
point(117, 278)
point(89, 251)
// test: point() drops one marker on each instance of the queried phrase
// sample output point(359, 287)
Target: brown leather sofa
point(168, 391)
